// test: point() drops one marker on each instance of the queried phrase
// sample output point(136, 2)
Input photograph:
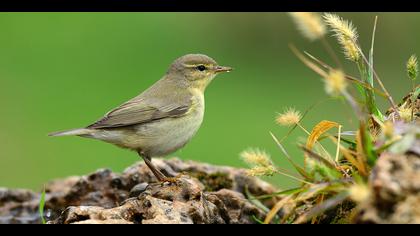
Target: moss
point(214, 181)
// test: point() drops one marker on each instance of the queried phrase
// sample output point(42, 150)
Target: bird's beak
point(219, 69)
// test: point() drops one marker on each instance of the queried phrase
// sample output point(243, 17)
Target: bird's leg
point(159, 175)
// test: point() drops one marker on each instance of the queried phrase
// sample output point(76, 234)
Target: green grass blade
point(368, 147)
point(255, 200)
point(257, 220)
point(41, 206)
point(299, 169)
point(375, 108)
point(417, 92)
point(370, 72)
point(348, 141)
point(258, 204)
point(284, 192)
point(318, 158)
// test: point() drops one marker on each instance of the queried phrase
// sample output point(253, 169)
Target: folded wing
point(139, 111)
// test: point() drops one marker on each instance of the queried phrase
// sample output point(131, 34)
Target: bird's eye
point(201, 67)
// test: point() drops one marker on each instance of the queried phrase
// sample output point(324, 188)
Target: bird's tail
point(81, 131)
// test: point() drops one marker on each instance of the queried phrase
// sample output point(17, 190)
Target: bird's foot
point(171, 180)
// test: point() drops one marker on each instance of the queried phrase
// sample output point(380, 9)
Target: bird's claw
point(171, 180)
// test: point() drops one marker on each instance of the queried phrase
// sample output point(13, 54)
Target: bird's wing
point(138, 111)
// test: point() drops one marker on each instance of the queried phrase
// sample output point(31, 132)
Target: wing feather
point(138, 111)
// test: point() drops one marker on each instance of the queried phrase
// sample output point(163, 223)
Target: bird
point(161, 119)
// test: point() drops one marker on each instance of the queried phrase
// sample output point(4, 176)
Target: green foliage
point(328, 183)
point(368, 145)
point(41, 206)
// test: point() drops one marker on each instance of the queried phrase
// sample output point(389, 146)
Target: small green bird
point(164, 117)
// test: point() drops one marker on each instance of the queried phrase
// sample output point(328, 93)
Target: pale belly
point(157, 138)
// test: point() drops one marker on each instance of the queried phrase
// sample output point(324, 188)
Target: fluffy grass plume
point(310, 24)
point(346, 34)
point(335, 83)
point(256, 157)
point(290, 117)
point(259, 161)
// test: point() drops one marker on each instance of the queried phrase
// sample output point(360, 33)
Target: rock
point(406, 102)
point(204, 194)
point(18, 206)
point(139, 188)
point(236, 209)
point(395, 184)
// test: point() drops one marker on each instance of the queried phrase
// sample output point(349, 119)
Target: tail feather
point(81, 131)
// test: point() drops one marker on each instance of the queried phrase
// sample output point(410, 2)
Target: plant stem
point(413, 99)
point(303, 128)
point(338, 145)
point(293, 177)
point(353, 104)
point(331, 52)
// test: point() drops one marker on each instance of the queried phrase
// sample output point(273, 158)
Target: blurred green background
point(65, 70)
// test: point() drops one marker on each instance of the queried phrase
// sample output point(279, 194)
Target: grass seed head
point(256, 157)
point(310, 24)
point(412, 67)
point(335, 83)
point(346, 34)
point(261, 171)
point(289, 117)
point(259, 161)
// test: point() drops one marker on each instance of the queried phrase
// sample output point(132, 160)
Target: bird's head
point(197, 70)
